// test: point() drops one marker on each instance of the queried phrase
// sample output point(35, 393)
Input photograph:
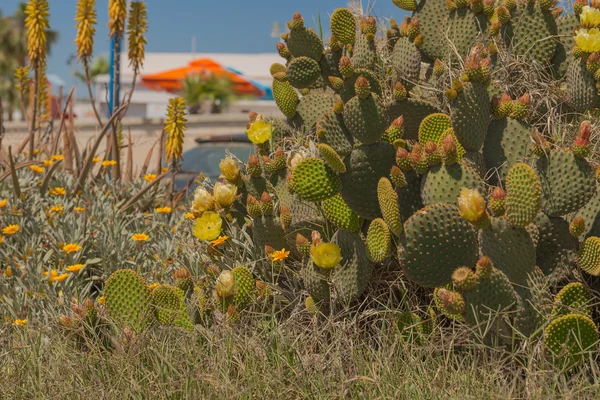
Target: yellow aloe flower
point(75, 268)
point(163, 210)
point(189, 215)
point(259, 131)
point(280, 255)
point(37, 169)
point(22, 79)
point(86, 19)
point(140, 237)
point(588, 40)
point(3, 203)
point(57, 191)
point(208, 227)
point(224, 193)
point(136, 27)
point(326, 255)
point(19, 322)
point(150, 177)
point(117, 12)
point(203, 201)
point(11, 229)
point(36, 23)
point(219, 241)
point(471, 204)
point(230, 169)
point(589, 17)
point(71, 248)
point(175, 128)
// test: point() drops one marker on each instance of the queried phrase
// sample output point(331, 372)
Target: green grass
point(261, 358)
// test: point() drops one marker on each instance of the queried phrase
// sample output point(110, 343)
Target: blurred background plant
point(207, 93)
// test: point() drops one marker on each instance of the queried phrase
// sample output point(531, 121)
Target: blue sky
point(219, 25)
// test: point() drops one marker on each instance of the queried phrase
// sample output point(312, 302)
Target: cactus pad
point(443, 183)
point(303, 72)
point(523, 195)
point(352, 276)
point(338, 212)
point(589, 256)
point(470, 113)
point(569, 337)
point(128, 298)
point(507, 143)
point(378, 240)
point(573, 298)
point(314, 180)
point(365, 119)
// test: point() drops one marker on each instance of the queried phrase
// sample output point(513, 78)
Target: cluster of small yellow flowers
point(37, 169)
point(140, 237)
point(57, 191)
point(150, 177)
point(71, 248)
point(108, 163)
point(11, 229)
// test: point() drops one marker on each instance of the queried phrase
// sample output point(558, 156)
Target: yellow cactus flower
point(86, 19)
point(589, 17)
point(71, 248)
point(203, 201)
point(189, 215)
point(150, 177)
point(20, 322)
point(140, 237)
point(75, 268)
point(230, 169)
point(208, 227)
point(224, 193)
point(37, 169)
point(588, 40)
point(36, 23)
point(279, 255)
point(471, 204)
point(326, 255)
point(259, 131)
point(57, 191)
point(58, 157)
point(163, 210)
point(219, 241)
point(136, 27)
point(58, 278)
point(11, 229)
point(3, 203)
point(175, 128)
point(108, 163)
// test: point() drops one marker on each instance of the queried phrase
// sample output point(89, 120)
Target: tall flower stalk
point(36, 23)
point(174, 129)
point(137, 26)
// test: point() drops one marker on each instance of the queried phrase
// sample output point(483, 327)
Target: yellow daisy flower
point(37, 169)
point(48, 163)
point(71, 248)
point(3, 203)
point(189, 215)
point(58, 157)
point(280, 255)
point(150, 177)
point(79, 209)
point(101, 300)
point(109, 163)
point(19, 322)
point(58, 278)
point(163, 210)
point(140, 237)
point(58, 191)
point(75, 268)
point(11, 229)
point(219, 241)
point(57, 208)
point(96, 160)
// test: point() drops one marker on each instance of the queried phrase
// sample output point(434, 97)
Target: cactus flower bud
point(230, 169)
point(203, 201)
point(224, 193)
point(362, 87)
point(225, 286)
point(498, 201)
point(577, 227)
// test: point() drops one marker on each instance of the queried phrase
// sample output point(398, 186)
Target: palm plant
point(201, 88)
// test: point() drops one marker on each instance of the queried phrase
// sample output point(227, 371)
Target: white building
point(152, 104)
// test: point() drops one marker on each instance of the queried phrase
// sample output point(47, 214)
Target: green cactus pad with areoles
point(414, 112)
point(335, 134)
point(364, 167)
point(303, 72)
point(567, 182)
point(285, 97)
point(556, 246)
point(507, 143)
point(343, 25)
point(352, 276)
point(523, 195)
point(442, 183)
point(365, 119)
point(128, 299)
point(379, 242)
point(589, 256)
point(166, 304)
point(437, 241)
point(315, 282)
point(364, 52)
point(569, 338)
point(348, 92)
point(581, 87)
point(406, 60)
point(388, 203)
point(338, 212)
point(244, 287)
point(511, 250)
point(305, 42)
point(314, 180)
point(470, 114)
point(573, 298)
point(311, 108)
